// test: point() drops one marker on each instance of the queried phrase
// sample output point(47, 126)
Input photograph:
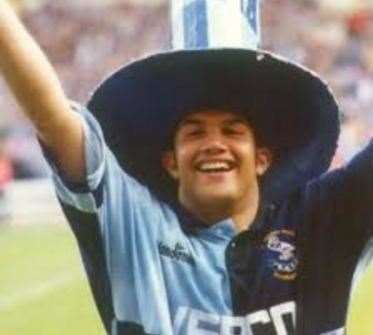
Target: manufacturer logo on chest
point(283, 259)
point(177, 252)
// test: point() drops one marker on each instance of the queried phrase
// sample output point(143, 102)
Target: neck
point(244, 217)
point(242, 212)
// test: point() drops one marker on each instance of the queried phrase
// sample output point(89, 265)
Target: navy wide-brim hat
point(291, 109)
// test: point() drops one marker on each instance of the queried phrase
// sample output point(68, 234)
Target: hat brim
point(294, 111)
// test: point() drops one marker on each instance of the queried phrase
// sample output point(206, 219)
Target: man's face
point(215, 159)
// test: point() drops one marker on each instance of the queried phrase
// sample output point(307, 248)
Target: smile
point(215, 166)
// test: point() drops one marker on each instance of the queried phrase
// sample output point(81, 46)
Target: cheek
point(249, 166)
point(184, 156)
point(246, 153)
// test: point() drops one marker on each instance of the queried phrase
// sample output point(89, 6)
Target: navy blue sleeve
point(337, 227)
point(358, 174)
point(349, 192)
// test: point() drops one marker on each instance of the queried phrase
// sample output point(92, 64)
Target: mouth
point(215, 166)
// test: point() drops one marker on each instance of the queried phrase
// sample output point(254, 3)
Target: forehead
point(213, 116)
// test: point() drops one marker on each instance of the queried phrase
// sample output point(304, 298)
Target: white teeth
point(214, 166)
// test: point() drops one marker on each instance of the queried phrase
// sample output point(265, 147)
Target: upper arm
point(89, 158)
point(65, 142)
point(348, 193)
point(337, 227)
point(357, 179)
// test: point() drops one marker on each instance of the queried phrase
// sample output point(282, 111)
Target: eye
point(235, 130)
point(192, 132)
point(195, 132)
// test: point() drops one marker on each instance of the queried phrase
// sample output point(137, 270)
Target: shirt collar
point(190, 224)
point(224, 228)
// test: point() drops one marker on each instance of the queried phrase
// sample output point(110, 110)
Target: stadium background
point(42, 286)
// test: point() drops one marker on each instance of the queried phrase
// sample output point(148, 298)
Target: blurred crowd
point(87, 42)
point(333, 38)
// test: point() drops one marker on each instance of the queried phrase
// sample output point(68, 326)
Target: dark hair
point(255, 126)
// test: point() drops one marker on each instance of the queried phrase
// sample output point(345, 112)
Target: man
point(197, 198)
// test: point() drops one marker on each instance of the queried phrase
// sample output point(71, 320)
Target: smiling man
point(216, 163)
point(195, 184)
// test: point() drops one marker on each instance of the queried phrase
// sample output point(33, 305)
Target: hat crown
point(205, 24)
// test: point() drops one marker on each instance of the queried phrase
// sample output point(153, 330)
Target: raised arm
point(37, 89)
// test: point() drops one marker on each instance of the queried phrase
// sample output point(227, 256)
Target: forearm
point(28, 73)
point(37, 89)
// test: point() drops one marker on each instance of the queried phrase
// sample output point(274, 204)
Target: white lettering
point(230, 323)
point(191, 321)
point(278, 312)
point(201, 323)
point(258, 317)
point(340, 331)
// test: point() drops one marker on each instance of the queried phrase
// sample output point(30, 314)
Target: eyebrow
point(237, 120)
point(188, 122)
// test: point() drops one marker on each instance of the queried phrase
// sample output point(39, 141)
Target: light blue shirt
point(161, 278)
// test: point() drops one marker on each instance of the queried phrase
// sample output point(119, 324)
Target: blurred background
point(42, 286)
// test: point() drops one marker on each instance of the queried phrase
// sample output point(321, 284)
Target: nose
point(213, 144)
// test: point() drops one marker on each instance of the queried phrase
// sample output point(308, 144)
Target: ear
point(169, 164)
point(263, 160)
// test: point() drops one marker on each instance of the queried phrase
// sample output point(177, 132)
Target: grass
point(360, 319)
point(43, 289)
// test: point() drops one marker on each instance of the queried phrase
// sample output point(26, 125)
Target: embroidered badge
point(283, 259)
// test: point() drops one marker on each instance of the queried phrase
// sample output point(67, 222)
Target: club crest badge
point(283, 259)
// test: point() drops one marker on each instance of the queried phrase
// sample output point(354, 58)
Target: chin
point(215, 197)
